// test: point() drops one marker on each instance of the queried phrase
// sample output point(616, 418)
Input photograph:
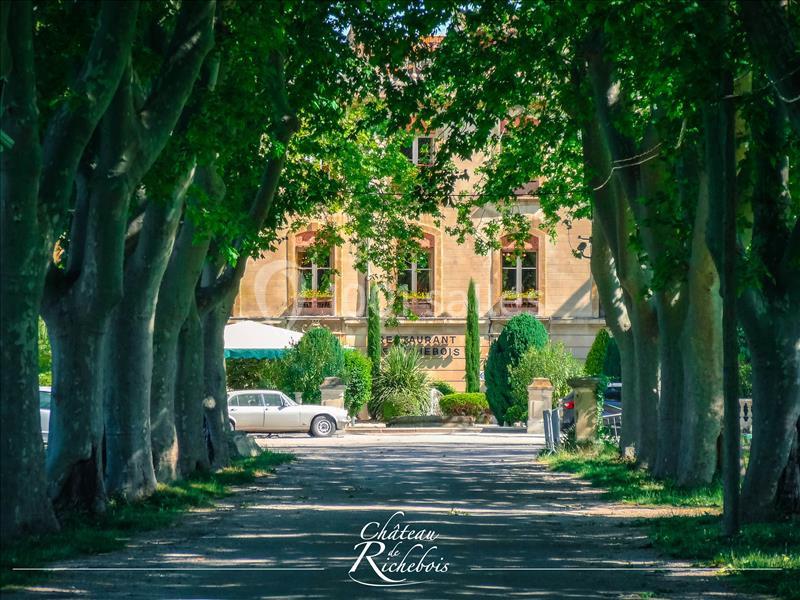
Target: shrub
point(520, 333)
point(443, 387)
point(611, 363)
point(358, 377)
point(468, 405)
point(597, 354)
point(243, 373)
point(553, 361)
point(45, 356)
point(318, 355)
point(472, 344)
point(255, 373)
point(402, 387)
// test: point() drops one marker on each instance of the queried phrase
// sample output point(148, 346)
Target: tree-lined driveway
point(504, 527)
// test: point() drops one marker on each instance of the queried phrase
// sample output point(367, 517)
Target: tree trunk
point(129, 471)
point(216, 394)
point(612, 298)
point(702, 360)
point(175, 300)
point(77, 311)
point(645, 342)
point(776, 410)
point(75, 444)
point(671, 312)
point(25, 506)
point(129, 468)
point(193, 452)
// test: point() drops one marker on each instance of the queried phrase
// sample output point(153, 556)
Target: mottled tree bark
point(776, 410)
point(671, 306)
point(193, 453)
point(702, 360)
point(129, 140)
point(176, 298)
point(129, 468)
point(37, 181)
point(216, 393)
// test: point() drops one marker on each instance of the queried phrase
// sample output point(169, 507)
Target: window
point(273, 400)
point(422, 151)
point(315, 277)
point(315, 284)
point(415, 283)
point(44, 399)
point(416, 279)
point(250, 400)
point(520, 272)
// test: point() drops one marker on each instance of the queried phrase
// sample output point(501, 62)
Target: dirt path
point(504, 526)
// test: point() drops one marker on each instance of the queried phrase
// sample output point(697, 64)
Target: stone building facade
point(284, 288)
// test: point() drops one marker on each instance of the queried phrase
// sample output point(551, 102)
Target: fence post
point(540, 398)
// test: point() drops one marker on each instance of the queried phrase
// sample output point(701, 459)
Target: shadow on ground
point(495, 512)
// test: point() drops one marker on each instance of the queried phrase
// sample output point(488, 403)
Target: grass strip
point(84, 534)
point(697, 538)
point(624, 482)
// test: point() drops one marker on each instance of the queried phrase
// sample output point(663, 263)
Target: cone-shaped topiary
point(374, 331)
point(519, 334)
point(597, 353)
point(472, 350)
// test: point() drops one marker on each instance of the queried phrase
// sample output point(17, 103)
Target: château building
point(285, 288)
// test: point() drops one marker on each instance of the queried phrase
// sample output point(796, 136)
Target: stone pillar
point(298, 397)
point(540, 397)
point(332, 392)
point(586, 421)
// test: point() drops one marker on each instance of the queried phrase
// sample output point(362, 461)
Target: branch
point(72, 126)
point(774, 47)
point(191, 42)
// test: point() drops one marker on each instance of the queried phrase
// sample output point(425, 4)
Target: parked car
point(44, 411)
point(612, 404)
point(272, 411)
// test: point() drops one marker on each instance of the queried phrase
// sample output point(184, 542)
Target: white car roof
point(235, 392)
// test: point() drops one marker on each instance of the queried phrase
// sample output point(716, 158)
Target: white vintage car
point(44, 411)
point(271, 411)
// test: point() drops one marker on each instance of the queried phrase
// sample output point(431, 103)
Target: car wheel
point(322, 427)
point(233, 424)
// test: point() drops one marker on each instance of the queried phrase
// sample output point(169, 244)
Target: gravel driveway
point(483, 519)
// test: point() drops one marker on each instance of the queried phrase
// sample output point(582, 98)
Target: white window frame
point(415, 150)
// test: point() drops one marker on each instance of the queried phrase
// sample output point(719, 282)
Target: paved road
point(504, 527)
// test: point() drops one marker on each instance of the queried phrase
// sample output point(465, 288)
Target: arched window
point(315, 276)
point(520, 275)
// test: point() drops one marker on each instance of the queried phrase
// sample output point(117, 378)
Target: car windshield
point(288, 401)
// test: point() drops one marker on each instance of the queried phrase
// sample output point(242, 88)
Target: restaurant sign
point(429, 346)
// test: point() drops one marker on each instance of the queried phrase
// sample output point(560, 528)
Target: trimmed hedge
point(468, 405)
point(520, 333)
point(597, 353)
point(358, 377)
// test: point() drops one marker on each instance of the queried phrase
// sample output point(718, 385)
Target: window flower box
point(520, 302)
point(419, 303)
point(314, 303)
